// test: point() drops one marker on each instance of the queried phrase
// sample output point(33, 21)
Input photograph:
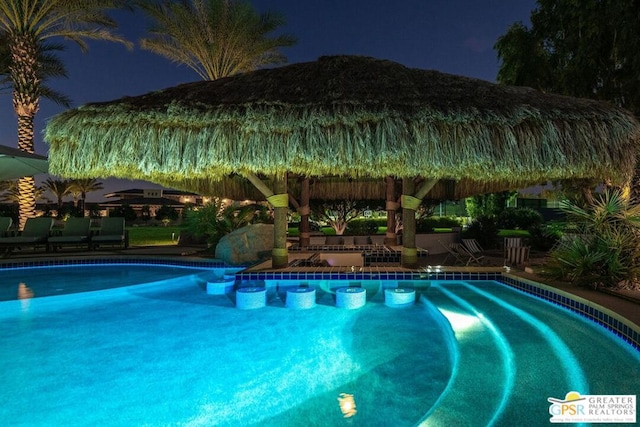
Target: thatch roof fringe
point(349, 116)
point(378, 145)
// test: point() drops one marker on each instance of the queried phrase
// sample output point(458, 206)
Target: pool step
point(529, 352)
point(476, 391)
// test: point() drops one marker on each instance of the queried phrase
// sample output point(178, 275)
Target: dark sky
point(452, 36)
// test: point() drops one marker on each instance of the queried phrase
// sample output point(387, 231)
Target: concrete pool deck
point(624, 302)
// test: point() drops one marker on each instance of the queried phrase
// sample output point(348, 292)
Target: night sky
point(452, 36)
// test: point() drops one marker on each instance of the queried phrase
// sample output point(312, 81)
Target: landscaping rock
point(246, 245)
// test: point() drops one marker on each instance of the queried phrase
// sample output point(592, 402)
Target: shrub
point(124, 211)
point(518, 218)
point(213, 220)
point(167, 213)
point(485, 230)
point(606, 247)
point(427, 224)
point(10, 210)
point(67, 210)
point(364, 226)
point(544, 236)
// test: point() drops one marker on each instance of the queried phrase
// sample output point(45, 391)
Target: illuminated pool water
point(16, 283)
point(166, 353)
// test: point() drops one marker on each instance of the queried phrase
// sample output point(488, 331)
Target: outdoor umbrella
point(15, 163)
point(346, 116)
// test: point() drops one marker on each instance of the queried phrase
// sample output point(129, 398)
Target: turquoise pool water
point(167, 354)
point(68, 279)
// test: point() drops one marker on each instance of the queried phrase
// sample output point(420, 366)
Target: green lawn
point(151, 236)
point(513, 233)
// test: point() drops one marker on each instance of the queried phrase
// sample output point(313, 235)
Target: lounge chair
point(515, 253)
point(510, 242)
point(476, 253)
point(35, 233)
point(111, 232)
point(334, 240)
point(5, 224)
point(76, 232)
point(454, 251)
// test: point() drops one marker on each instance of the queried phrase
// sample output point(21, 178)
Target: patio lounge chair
point(111, 232)
point(510, 242)
point(35, 233)
point(455, 251)
point(76, 232)
point(5, 224)
point(476, 253)
point(515, 253)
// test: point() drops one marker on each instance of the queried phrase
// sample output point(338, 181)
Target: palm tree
point(59, 188)
point(84, 186)
point(215, 38)
point(28, 25)
point(11, 192)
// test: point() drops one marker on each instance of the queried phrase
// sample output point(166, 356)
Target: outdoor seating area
point(366, 255)
point(39, 234)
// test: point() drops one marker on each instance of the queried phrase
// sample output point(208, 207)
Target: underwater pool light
point(347, 404)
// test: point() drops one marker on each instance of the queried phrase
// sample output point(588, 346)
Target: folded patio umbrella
point(15, 163)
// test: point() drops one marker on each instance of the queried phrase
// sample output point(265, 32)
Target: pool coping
point(614, 322)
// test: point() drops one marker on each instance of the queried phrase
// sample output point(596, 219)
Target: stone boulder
point(246, 245)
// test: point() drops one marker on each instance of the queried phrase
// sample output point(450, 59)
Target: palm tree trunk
point(26, 102)
point(26, 185)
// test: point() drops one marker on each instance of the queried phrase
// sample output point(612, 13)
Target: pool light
point(347, 405)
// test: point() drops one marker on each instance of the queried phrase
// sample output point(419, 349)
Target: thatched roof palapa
point(346, 116)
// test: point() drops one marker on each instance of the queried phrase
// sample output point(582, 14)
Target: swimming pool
point(166, 353)
point(43, 281)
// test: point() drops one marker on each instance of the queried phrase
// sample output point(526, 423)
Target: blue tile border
point(612, 321)
point(617, 324)
point(365, 275)
point(198, 263)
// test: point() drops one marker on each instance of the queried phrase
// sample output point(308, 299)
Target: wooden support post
point(279, 199)
point(411, 200)
point(304, 210)
point(391, 237)
point(280, 254)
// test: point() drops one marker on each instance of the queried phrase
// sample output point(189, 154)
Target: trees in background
point(59, 188)
point(83, 186)
point(337, 213)
point(27, 27)
point(215, 38)
point(586, 48)
point(488, 204)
